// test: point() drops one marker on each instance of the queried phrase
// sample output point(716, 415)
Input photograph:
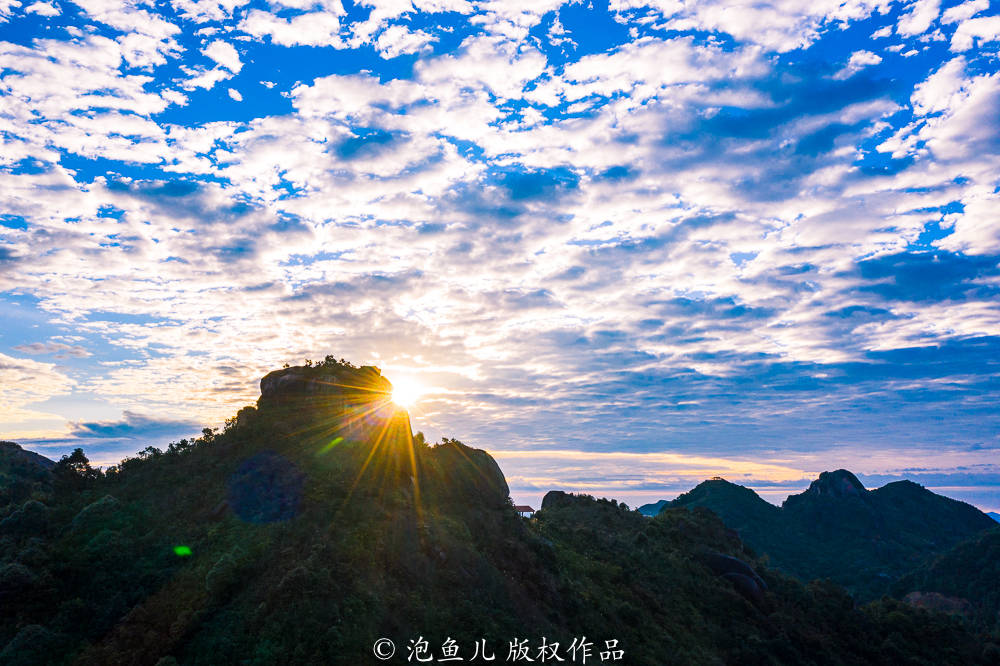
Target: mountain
point(315, 524)
point(13, 457)
point(652, 509)
point(743, 509)
point(21, 473)
point(837, 529)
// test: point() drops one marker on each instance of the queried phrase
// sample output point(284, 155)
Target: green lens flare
point(182, 551)
point(333, 443)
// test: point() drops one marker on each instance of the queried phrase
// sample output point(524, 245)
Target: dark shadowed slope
point(21, 473)
point(964, 580)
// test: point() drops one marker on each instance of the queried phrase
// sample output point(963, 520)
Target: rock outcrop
point(359, 398)
point(474, 476)
point(297, 382)
point(839, 483)
point(744, 579)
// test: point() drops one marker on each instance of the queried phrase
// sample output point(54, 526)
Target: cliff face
point(358, 398)
point(325, 379)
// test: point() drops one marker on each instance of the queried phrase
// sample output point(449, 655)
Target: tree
point(73, 472)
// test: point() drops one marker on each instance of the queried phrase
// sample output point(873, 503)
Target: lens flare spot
point(333, 442)
point(182, 551)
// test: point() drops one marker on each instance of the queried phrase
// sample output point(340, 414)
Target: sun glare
point(405, 392)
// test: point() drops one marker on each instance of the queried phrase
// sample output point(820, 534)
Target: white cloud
point(201, 11)
point(399, 40)
point(968, 128)
point(73, 96)
point(964, 11)
point(224, 54)
point(235, 95)
point(124, 16)
point(207, 78)
point(512, 19)
point(938, 92)
point(22, 383)
point(7, 8)
point(970, 31)
point(146, 52)
point(975, 229)
point(858, 61)
point(491, 63)
point(921, 14)
point(646, 69)
point(42, 9)
point(779, 25)
point(320, 28)
point(333, 6)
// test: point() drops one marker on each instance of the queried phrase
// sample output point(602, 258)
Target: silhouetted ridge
point(744, 510)
point(22, 473)
point(653, 508)
point(12, 455)
point(837, 529)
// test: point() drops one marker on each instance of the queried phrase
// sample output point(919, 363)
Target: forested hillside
point(316, 524)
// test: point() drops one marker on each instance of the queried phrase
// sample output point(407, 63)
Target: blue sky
point(623, 246)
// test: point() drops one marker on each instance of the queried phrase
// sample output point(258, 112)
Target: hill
point(963, 580)
point(22, 473)
point(837, 529)
point(316, 523)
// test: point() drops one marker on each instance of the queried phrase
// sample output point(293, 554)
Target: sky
point(623, 246)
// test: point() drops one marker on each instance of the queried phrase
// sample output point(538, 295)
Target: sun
point(405, 392)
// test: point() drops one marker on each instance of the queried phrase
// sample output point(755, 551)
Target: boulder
point(739, 573)
point(747, 587)
point(474, 477)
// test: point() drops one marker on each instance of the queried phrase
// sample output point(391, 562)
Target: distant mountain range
point(837, 529)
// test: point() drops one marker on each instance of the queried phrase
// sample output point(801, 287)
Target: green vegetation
point(312, 526)
point(966, 580)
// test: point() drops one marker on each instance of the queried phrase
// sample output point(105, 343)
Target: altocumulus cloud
point(758, 236)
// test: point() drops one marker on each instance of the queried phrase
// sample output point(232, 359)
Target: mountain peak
point(839, 483)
